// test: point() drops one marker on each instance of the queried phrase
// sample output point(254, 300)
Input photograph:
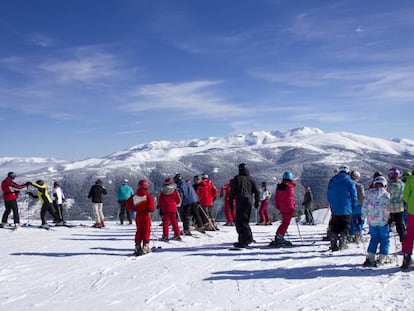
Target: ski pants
point(11, 206)
point(308, 215)
point(97, 209)
point(58, 211)
point(122, 211)
point(143, 224)
point(47, 207)
point(166, 219)
point(195, 213)
point(379, 235)
point(185, 212)
point(354, 227)
point(229, 213)
point(264, 212)
point(407, 243)
point(340, 225)
point(243, 211)
point(398, 219)
point(286, 218)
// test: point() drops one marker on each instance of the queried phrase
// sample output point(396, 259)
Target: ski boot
point(342, 243)
point(383, 259)
point(334, 242)
point(138, 250)
point(406, 261)
point(145, 248)
point(370, 261)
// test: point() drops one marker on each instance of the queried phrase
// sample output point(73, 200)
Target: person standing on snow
point(207, 193)
point(230, 214)
point(342, 197)
point(376, 208)
point(10, 193)
point(307, 205)
point(58, 199)
point(168, 202)
point(46, 201)
point(407, 243)
point(124, 192)
point(355, 229)
point(189, 205)
point(242, 190)
point(265, 195)
point(95, 194)
point(396, 189)
point(142, 202)
point(285, 203)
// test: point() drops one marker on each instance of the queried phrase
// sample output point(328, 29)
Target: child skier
point(285, 203)
point(396, 190)
point(168, 201)
point(376, 208)
point(142, 202)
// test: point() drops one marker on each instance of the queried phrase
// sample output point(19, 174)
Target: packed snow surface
point(83, 268)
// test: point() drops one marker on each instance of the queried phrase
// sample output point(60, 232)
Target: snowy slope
point(89, 269)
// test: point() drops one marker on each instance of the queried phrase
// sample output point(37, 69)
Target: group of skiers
point(383, 205)
point(387, 202)
point(11, 192)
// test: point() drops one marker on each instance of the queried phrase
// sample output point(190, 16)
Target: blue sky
point(84, 79)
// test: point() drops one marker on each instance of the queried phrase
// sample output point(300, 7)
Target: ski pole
point(208, 218)
point(300, 235)
point(396, 250)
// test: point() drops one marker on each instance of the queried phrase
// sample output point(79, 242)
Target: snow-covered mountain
point(309, 153)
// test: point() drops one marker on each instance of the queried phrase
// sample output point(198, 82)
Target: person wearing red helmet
point(168, 202)
point(142, 202)
point(207, 193)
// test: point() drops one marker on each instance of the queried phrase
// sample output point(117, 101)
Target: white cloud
point(191, 98)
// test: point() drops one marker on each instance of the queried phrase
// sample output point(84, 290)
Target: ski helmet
point(11, 175)
point(204, 176)
point(393, 173)
point(56, 184)
point(376, 174)
point(178, 177)
point(380, 180)
point(143, 183)
point(355, 175)
point(168, 181)
point(264, 184)
point(287, 176)
point(125, 181)
point(98, 182)
point(344, 168)
point(40, 182)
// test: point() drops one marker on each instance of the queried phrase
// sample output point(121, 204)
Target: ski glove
point(358, 220)
point(256, 204)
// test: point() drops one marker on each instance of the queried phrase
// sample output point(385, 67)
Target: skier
point(407, 243)
point(10, 193)
point(230, 214)
point(124, 192)
point(45, 199)
point(168, 202)
point(242, 190)
point(342, 197)
point(285, 203)
point(265, 196)
point(307, 204)
point(58, 199)
point(355, 230)
point(95, 194)
point(207, 193)
point(376, 208)
point(189, 205)
point(142, 202)
point(396, 190)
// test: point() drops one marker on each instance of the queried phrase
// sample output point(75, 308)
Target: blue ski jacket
point(187, 193)
point(342, 194)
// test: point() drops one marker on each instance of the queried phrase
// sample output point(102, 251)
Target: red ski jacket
point(207, 192)
point(285, 197)
point(9, 187)
point(169, 200)
point(142, 202)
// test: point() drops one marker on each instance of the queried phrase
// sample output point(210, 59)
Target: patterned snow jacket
point(376, 207)
point(396, 190)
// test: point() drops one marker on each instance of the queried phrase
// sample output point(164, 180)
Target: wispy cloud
point(39, 39)
point(192, 98)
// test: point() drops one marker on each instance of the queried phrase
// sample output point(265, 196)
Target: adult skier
point(342, 197)
point(96, 195)
point(207, 193)
point(124, 192)
point(265, 195)
point(307, 205)
point(407, 243)
point(396, 190)
point(46, 201)
point(10, 191)
point(230, 214)
point(168, 202)
point(243, 189)
point(58, 199)
point(355, 230)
